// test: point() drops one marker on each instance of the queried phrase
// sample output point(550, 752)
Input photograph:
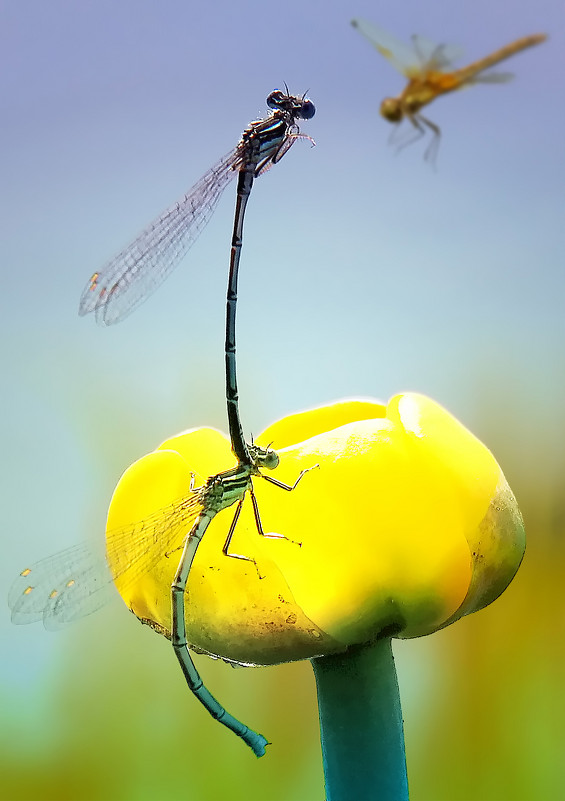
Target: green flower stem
point(361, 724)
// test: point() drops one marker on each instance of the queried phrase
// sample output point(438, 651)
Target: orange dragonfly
point(430, 73)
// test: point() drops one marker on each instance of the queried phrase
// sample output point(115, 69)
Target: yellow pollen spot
point(25, 572)
point(53, 594)
point(94, 281)
point(28, 590)
point(70, 583)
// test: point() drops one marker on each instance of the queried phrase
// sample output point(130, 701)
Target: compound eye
point(275, 98)
point(308, 110)
point(271, 459)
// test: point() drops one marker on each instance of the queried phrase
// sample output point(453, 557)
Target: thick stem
point(361, 724)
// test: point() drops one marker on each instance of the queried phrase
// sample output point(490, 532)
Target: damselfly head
point(297, 106)
point(264, 457)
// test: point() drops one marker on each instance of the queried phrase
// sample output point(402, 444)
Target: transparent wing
point(403, 57)
point(76, 582)
point(412, 60)
point(435, 57)
point(131, 276)
point(61, 588)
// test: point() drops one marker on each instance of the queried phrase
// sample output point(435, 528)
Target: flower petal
point(305, 425)
point(405, 521)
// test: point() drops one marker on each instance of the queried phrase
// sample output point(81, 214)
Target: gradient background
point(363, 274)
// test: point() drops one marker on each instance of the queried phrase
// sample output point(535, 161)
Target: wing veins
point(76, 581)
point(137, 270)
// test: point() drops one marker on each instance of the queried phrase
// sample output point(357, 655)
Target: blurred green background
point(363, 274)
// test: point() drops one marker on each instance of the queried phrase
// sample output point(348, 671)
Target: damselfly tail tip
point(259, 744)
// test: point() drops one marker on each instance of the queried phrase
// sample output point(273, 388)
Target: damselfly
point(131, 276)
point(73, 583)
point(430, 72)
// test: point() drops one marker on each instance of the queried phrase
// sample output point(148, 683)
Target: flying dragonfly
point(430, 72)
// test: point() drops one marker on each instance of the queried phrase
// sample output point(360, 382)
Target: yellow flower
point(407, 524)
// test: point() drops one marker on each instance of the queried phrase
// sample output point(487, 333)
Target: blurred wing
point(76, 582)
point(435, 57)
point(131, 276)
point(402, 57)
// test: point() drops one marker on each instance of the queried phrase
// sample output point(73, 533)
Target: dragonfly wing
point(76, 582)
point(131, 276)
point(402, 57)
point(435, 57)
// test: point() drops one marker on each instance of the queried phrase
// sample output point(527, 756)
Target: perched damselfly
point(74, 583)
point(137, 270)
point(66, 586)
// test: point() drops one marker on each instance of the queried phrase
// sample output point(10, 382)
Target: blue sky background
point(364, 273)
